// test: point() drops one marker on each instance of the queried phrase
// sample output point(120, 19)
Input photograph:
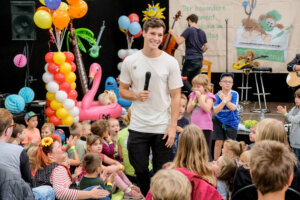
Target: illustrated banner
point(268, 28)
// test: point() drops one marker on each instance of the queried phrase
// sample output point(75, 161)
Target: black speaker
point(22, 24)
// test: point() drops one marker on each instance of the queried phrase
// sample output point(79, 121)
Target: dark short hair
point(226, 75)
point(153, 22)
point(192, 18)
point(91, 161)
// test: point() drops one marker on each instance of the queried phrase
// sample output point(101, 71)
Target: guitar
point(94, 50)
point(169, 44)
point(293, 79)
point(244, 62)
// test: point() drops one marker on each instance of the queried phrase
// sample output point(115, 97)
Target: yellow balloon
point(68, 120)
point(71, 77)
point(73, 86)
point(47, 119)
point(54, 104)
point(62, 113)
point(42, 2)
point(59, 58)
point(63, 6)
point(50, 96)
point(65, 68)
point(42, 19)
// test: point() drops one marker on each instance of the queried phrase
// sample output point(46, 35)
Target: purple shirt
point(199, 117)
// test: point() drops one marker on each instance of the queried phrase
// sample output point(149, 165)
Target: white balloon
point(47, 77)
point(69, 104)
point(76, 119)
point(74, 112)
point(122, 53)
point(61, 96)
point(46, 67)
point(130, 52)
point(120, 65)
point(52, 87)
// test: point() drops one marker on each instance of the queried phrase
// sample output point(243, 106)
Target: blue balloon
point(14, 103)
point(134, 28)
point(124, 22)
point(52, 4)
point(27, 94)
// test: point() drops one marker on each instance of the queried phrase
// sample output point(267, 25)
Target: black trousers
point(138, 145)
point(190, 69)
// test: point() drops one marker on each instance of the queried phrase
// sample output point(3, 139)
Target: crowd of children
point(97, 153)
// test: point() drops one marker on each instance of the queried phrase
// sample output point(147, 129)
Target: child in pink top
point(200, 105)
point(94, 145)
point(32, 134)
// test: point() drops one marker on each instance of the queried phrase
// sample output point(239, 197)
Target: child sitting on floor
point(47, 130)
point(271, 169)
point(94, 145)
point(92, 165)
point(233, 149)
point(18, 135)
point(32, 134)
point(224, 168)
point(170, 184)
point(113, 130)
point(100, 128)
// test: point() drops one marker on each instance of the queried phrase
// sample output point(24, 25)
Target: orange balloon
point(72, 1)
point(44, 8)
point(78, 10)
point(60, 18)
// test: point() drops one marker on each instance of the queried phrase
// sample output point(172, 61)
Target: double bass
point(169, 44)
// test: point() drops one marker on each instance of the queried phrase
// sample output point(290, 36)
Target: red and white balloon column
point(61, 95)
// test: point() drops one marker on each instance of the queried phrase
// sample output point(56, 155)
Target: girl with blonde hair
point(271, 129)
point(200, 104)
point(233, 149)
point(192, 160)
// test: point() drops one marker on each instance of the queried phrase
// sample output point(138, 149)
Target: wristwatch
point(224, 101)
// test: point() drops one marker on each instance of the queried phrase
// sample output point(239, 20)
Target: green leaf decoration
point(90, 40)
point(84, 31)
point(80, 45)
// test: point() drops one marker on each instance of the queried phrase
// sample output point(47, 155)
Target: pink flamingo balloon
point(93, 110)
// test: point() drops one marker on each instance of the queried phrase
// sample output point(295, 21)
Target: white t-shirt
point(153, 115)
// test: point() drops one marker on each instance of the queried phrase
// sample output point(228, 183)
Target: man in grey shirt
point(12, 157)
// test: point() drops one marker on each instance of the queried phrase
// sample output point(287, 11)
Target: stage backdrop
point(269, 28)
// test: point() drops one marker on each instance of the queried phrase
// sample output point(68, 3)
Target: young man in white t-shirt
point(154, 111)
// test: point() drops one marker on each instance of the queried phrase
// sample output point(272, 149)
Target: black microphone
point(147, 79)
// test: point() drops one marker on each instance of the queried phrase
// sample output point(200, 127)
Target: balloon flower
point(131, 27)
point(61, 95)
